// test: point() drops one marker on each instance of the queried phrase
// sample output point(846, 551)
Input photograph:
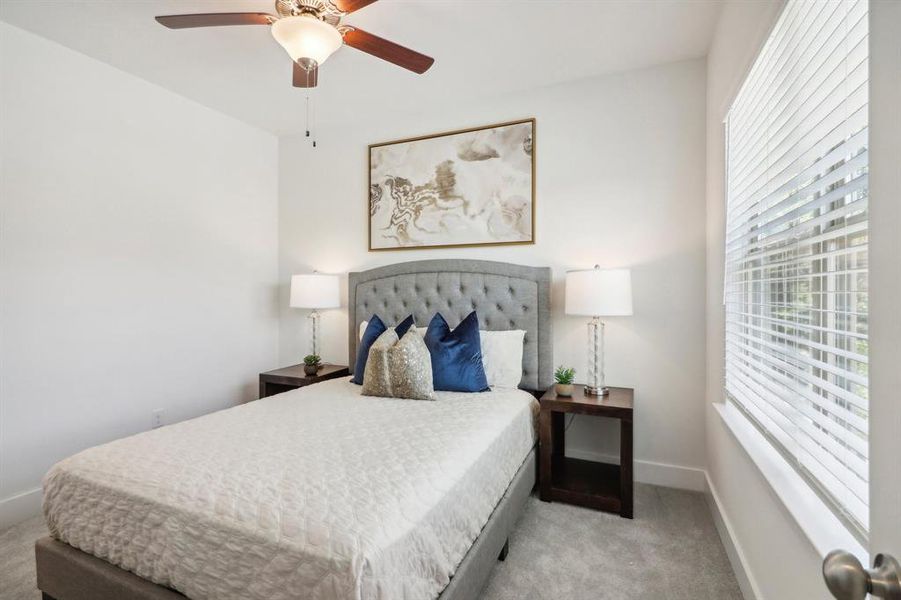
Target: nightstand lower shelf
point(586, 483)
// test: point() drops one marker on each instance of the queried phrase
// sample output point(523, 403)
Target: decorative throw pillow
point(501, 354)
point(374, 328)
point(376, 375)
point(456, 355)
point(399, 369)
point(403, 327)
point(502, 357)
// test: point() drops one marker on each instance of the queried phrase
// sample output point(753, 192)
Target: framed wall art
point(471, 187)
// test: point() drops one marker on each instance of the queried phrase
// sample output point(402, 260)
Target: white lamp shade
point(599, 292)
point(306, 38)
point(314, 291)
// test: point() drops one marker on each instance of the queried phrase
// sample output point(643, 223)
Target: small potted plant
point(311, 364)
point(564, 378)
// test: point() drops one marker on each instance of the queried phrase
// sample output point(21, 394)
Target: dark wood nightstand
point(586, 483)
point(293, 377)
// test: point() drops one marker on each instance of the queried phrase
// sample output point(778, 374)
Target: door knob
point(848, 580)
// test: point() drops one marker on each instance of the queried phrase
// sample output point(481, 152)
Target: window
point(796, 248)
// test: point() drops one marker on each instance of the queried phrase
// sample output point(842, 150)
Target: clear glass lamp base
point(594, 384)
point(313, 320)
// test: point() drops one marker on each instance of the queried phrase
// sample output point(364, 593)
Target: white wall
point(885, 277)
point(138, 258)
point(620, 180)
point(779, 561)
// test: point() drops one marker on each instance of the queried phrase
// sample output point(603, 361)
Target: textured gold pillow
point(399, 369)
point(411, 368)
point(377, 375)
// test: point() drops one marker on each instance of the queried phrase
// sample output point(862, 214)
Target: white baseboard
point(20, 507)
point(655, 473)
point(749, 588)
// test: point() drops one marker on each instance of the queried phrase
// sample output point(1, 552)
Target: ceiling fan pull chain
point(308, 109)
point(307, 114)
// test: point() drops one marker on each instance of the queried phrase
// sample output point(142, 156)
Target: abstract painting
point(470, 187)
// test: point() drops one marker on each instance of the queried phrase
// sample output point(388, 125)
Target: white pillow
point(502, 357)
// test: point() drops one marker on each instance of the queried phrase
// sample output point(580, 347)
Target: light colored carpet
point(670, 551)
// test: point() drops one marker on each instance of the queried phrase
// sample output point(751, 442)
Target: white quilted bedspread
point(319, 493)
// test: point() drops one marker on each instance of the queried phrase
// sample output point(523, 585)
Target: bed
point(320, 492)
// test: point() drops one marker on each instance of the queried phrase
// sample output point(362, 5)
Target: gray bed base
point(66, 573)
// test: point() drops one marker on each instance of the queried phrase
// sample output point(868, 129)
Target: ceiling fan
point(310, 31)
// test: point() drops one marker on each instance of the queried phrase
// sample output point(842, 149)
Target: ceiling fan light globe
point(306, 38)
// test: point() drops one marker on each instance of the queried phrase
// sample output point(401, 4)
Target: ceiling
point(482, 48)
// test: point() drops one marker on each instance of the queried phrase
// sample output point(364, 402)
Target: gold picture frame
point(489, 161)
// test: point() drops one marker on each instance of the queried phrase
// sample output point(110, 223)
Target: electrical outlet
point(157, 418)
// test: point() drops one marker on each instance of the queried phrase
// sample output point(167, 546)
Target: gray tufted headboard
point(506, 296)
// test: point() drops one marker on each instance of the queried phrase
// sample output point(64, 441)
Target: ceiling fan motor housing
point(320, 9)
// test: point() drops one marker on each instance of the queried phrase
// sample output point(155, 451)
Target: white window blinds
point(796, 247)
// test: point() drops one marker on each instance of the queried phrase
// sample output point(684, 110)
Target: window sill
point(824, 530)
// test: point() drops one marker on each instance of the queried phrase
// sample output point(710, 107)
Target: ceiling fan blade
point(349, 6)
point(393, 53)
point(304, 78)
point(215, 20)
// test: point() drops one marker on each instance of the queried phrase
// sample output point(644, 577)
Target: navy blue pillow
point(404, 326)
point(456, 355)
point(374, 329)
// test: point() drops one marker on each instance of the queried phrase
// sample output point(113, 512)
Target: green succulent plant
point(311, 359)
point(564, 375)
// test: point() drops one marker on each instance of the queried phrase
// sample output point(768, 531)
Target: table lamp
point(314, 291)
point(598, 293)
